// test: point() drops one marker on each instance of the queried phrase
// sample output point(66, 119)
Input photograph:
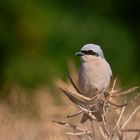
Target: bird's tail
point(85, 117)
point(97, 115)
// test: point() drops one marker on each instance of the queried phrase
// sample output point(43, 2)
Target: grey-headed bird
point(94, 75)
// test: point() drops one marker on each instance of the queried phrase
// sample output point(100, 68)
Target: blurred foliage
point(38, 37)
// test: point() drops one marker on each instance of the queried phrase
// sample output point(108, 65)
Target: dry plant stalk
point(103, 130)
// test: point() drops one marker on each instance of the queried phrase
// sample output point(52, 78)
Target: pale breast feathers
point(94, 75)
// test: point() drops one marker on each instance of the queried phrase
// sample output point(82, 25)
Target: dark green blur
point(38, 37)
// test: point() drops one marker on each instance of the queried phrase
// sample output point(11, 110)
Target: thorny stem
point(83, 102)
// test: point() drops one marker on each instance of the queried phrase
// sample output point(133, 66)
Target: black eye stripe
point(90, 52)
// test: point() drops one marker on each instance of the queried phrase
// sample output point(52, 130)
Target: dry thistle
point(106, 101)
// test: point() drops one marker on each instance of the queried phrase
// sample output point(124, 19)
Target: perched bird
point(94, 75)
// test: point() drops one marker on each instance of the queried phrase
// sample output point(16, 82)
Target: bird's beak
point(79, 54)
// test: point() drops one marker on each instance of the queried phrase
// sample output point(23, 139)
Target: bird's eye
point(90, 52)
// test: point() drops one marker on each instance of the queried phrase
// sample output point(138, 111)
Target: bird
point(94, 75)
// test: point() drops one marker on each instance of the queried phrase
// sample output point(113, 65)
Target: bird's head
point(90, 52)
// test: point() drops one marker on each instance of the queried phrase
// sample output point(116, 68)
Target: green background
point(38, 37)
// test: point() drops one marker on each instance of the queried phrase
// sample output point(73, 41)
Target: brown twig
point(130, 130)
point(120, 116)
point(75, 95)
point(102, 132)
point(73, 126)
point(131, 90)
point(120, 136)
point(78, 133)
point(104, 126)
point(114, 84)
point(116, 105)
point(73, 84)
point(75, 114)
point(93, 131)
point(89, 113)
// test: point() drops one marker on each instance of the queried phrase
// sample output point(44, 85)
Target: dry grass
point(29, 115)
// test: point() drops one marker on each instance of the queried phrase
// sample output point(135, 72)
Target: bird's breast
point(94, 77)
